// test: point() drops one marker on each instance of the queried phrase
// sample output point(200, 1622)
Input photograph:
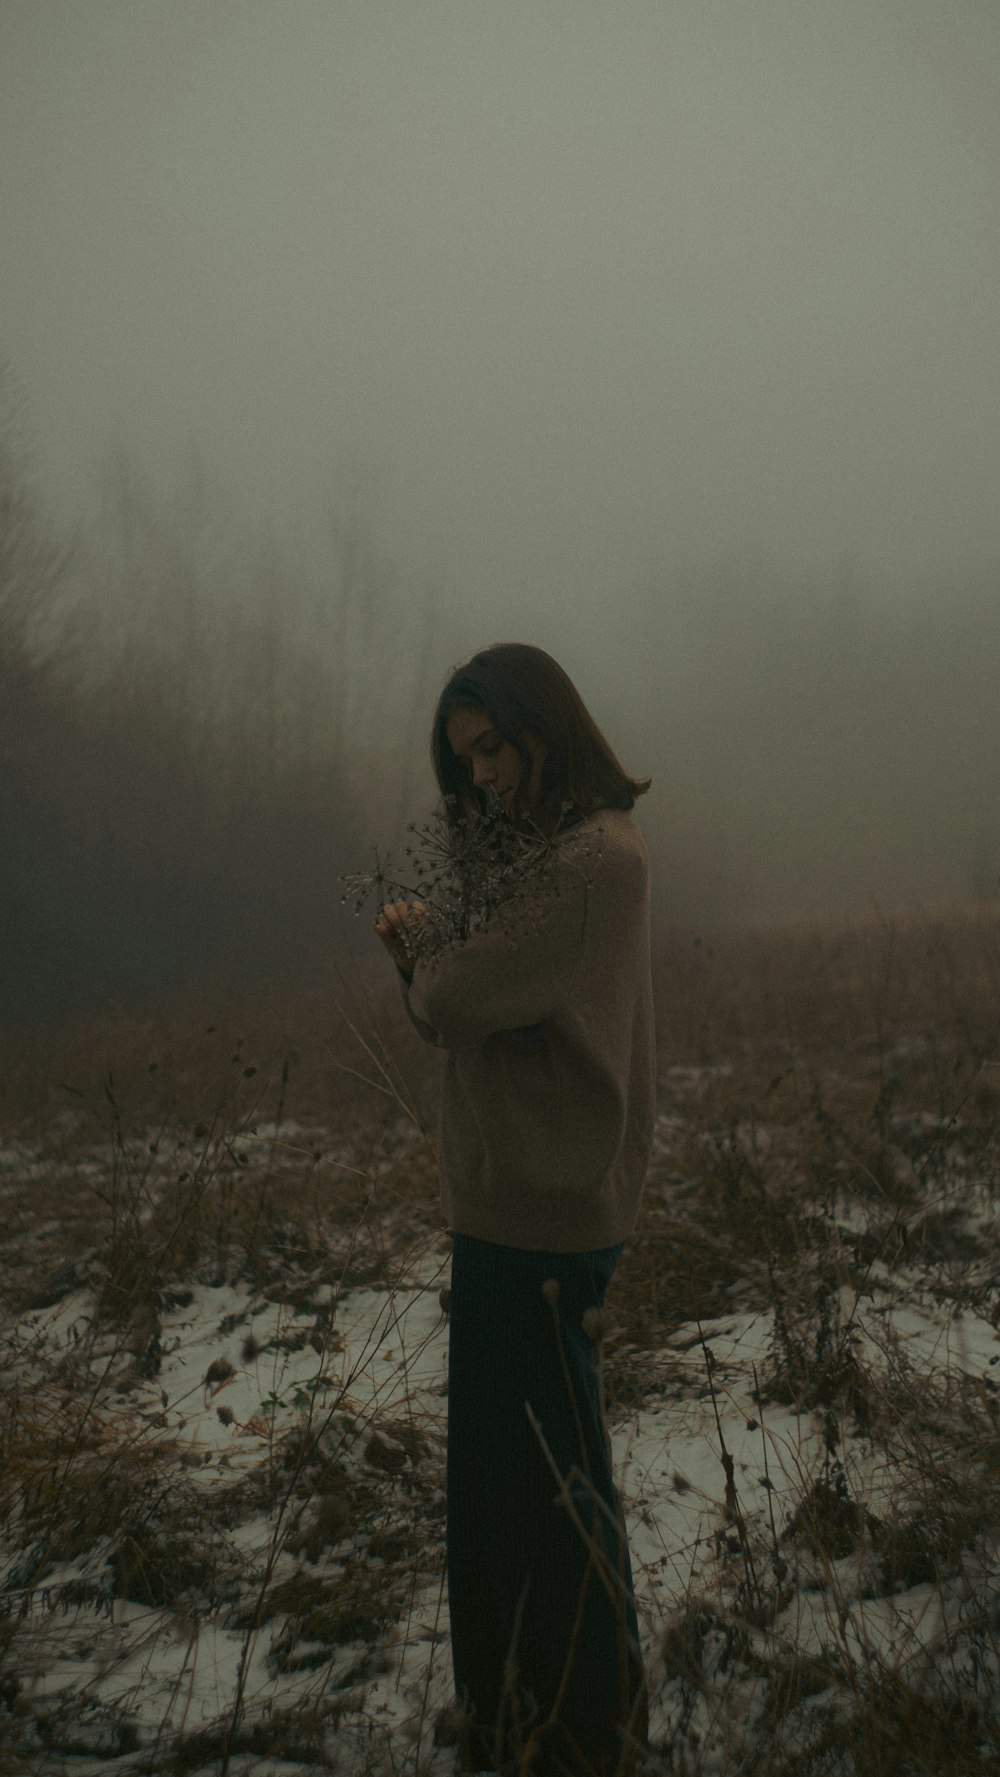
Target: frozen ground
point(223, 1542)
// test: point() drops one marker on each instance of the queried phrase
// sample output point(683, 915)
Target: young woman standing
point(546, 1125)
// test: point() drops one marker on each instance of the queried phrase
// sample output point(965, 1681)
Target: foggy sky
point(595, 301)
point(585, 287)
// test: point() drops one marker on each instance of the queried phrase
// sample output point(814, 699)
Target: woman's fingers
point(401, 914)
point(394, 923)
point(395, 915)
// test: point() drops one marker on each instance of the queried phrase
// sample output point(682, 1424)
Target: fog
point(662, 335)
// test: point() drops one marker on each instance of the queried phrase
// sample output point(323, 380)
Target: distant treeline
point(186, 765)
point(199, 733)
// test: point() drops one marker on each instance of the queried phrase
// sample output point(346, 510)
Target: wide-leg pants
point(543, 1624)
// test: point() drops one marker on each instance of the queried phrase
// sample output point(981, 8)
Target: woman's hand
point(395, 926)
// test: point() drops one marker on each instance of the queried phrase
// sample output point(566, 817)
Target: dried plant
point(471, 870)
point(800, 1373)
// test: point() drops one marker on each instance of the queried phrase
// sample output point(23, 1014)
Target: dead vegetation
point(221, 1435)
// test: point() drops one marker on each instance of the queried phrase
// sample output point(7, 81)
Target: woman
point(546, 1123)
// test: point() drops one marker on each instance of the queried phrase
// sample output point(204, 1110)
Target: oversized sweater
point(548, 1095)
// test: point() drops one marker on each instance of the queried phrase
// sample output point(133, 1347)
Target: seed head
point(596, 1322)
point(219, 1371)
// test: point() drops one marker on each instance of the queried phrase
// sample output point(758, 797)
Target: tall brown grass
point(804, 1071)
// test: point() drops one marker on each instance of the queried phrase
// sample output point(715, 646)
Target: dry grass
point(829, 1100)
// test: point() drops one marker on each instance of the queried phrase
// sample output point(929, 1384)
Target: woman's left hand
point(394, 926)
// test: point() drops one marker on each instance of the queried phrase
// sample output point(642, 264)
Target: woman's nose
point(483, 771)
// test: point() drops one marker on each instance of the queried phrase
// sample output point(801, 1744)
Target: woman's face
point(492, 762)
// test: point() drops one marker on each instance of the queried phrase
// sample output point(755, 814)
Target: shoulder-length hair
point(524, 692)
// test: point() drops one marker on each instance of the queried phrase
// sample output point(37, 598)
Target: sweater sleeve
point(504, 978)
point(427, 1031)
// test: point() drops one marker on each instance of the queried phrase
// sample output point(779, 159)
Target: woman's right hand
point(394, 926)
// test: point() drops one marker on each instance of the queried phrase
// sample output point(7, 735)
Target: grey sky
point(606, 305)
point(589, 287)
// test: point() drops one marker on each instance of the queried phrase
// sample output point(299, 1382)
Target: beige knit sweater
point(548, 1095)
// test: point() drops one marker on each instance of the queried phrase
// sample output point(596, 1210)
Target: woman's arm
point(393, 927)
point(508, 977)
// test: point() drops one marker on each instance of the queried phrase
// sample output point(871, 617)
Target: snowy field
point(223, 1431)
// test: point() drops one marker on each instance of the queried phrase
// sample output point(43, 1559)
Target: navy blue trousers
point(543, 1624)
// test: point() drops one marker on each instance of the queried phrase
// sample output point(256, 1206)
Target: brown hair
point(525, 692)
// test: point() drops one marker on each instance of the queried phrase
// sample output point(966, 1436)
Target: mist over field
point(342, 340)
point(339, 339)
